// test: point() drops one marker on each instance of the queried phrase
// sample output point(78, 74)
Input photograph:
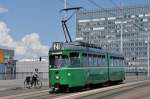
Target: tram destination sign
point(57, 45)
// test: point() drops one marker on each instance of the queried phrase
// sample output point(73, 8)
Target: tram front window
point(75, 59)
point(57, 61)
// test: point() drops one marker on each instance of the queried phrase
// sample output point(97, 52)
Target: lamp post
point(121, 32)
point(148, 56)
point(121, 43)
point(65, 6)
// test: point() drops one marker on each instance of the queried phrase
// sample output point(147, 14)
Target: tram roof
point(81, 46)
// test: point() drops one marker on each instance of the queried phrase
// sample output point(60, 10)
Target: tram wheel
point(51, 90)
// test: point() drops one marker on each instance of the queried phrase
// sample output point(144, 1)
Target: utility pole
point(65, 7)
point(66, 19)
point(148, 56)
point(121, 43)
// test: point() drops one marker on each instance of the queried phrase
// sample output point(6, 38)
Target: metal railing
point(22, 75)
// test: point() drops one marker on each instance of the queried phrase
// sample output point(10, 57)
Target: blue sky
point(43, 17)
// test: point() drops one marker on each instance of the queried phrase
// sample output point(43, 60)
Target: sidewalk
point(14, 84)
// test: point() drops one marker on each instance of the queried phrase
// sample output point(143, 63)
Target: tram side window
point(116, 61)
point(119, 62)
point(112, 61)
point(90, 59)
point(74, 59)
point(122, 62)
point(95, 58)
point(101, 60)
point(85, 60)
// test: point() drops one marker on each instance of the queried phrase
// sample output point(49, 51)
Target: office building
point(125, 29)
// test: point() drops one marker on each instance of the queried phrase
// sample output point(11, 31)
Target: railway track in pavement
point(100, 93)
point(110, 92)
point(117, 92)
point(33, 95)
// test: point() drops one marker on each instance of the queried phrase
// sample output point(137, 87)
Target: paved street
point(15, 84)
point(16, 88)
point(140, 91)
point(110, 92)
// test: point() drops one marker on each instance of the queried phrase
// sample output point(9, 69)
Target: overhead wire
point(104, 9)
point(121, 9)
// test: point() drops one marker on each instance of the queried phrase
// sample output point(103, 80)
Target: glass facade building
point(125, 29)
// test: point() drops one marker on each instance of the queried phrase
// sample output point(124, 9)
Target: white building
point(26, 68)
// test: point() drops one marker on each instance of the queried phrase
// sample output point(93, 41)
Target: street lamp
point(121, 43)
point(121, 39)
point(65, 6)
point(148, 56)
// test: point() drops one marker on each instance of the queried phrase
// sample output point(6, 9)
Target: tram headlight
point(69, 74)
point(57, 77)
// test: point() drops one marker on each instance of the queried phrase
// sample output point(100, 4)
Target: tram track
point(100, 93)
point(43, 96)
point(33, 95)
point(108, 92)
point(115, 92)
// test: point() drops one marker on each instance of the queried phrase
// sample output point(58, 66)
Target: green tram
point(79, 64)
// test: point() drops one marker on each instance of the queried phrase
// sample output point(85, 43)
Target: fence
point(22, 75)
point(130, 71)
point(7, 76)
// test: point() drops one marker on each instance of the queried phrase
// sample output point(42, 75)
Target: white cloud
point(3, 9)
point(5, 38)
point(28, 47)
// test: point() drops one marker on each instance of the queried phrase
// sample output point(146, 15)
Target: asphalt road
point(125, 93)
point(140, 91)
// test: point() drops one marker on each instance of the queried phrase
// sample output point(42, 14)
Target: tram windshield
point(57, 61)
